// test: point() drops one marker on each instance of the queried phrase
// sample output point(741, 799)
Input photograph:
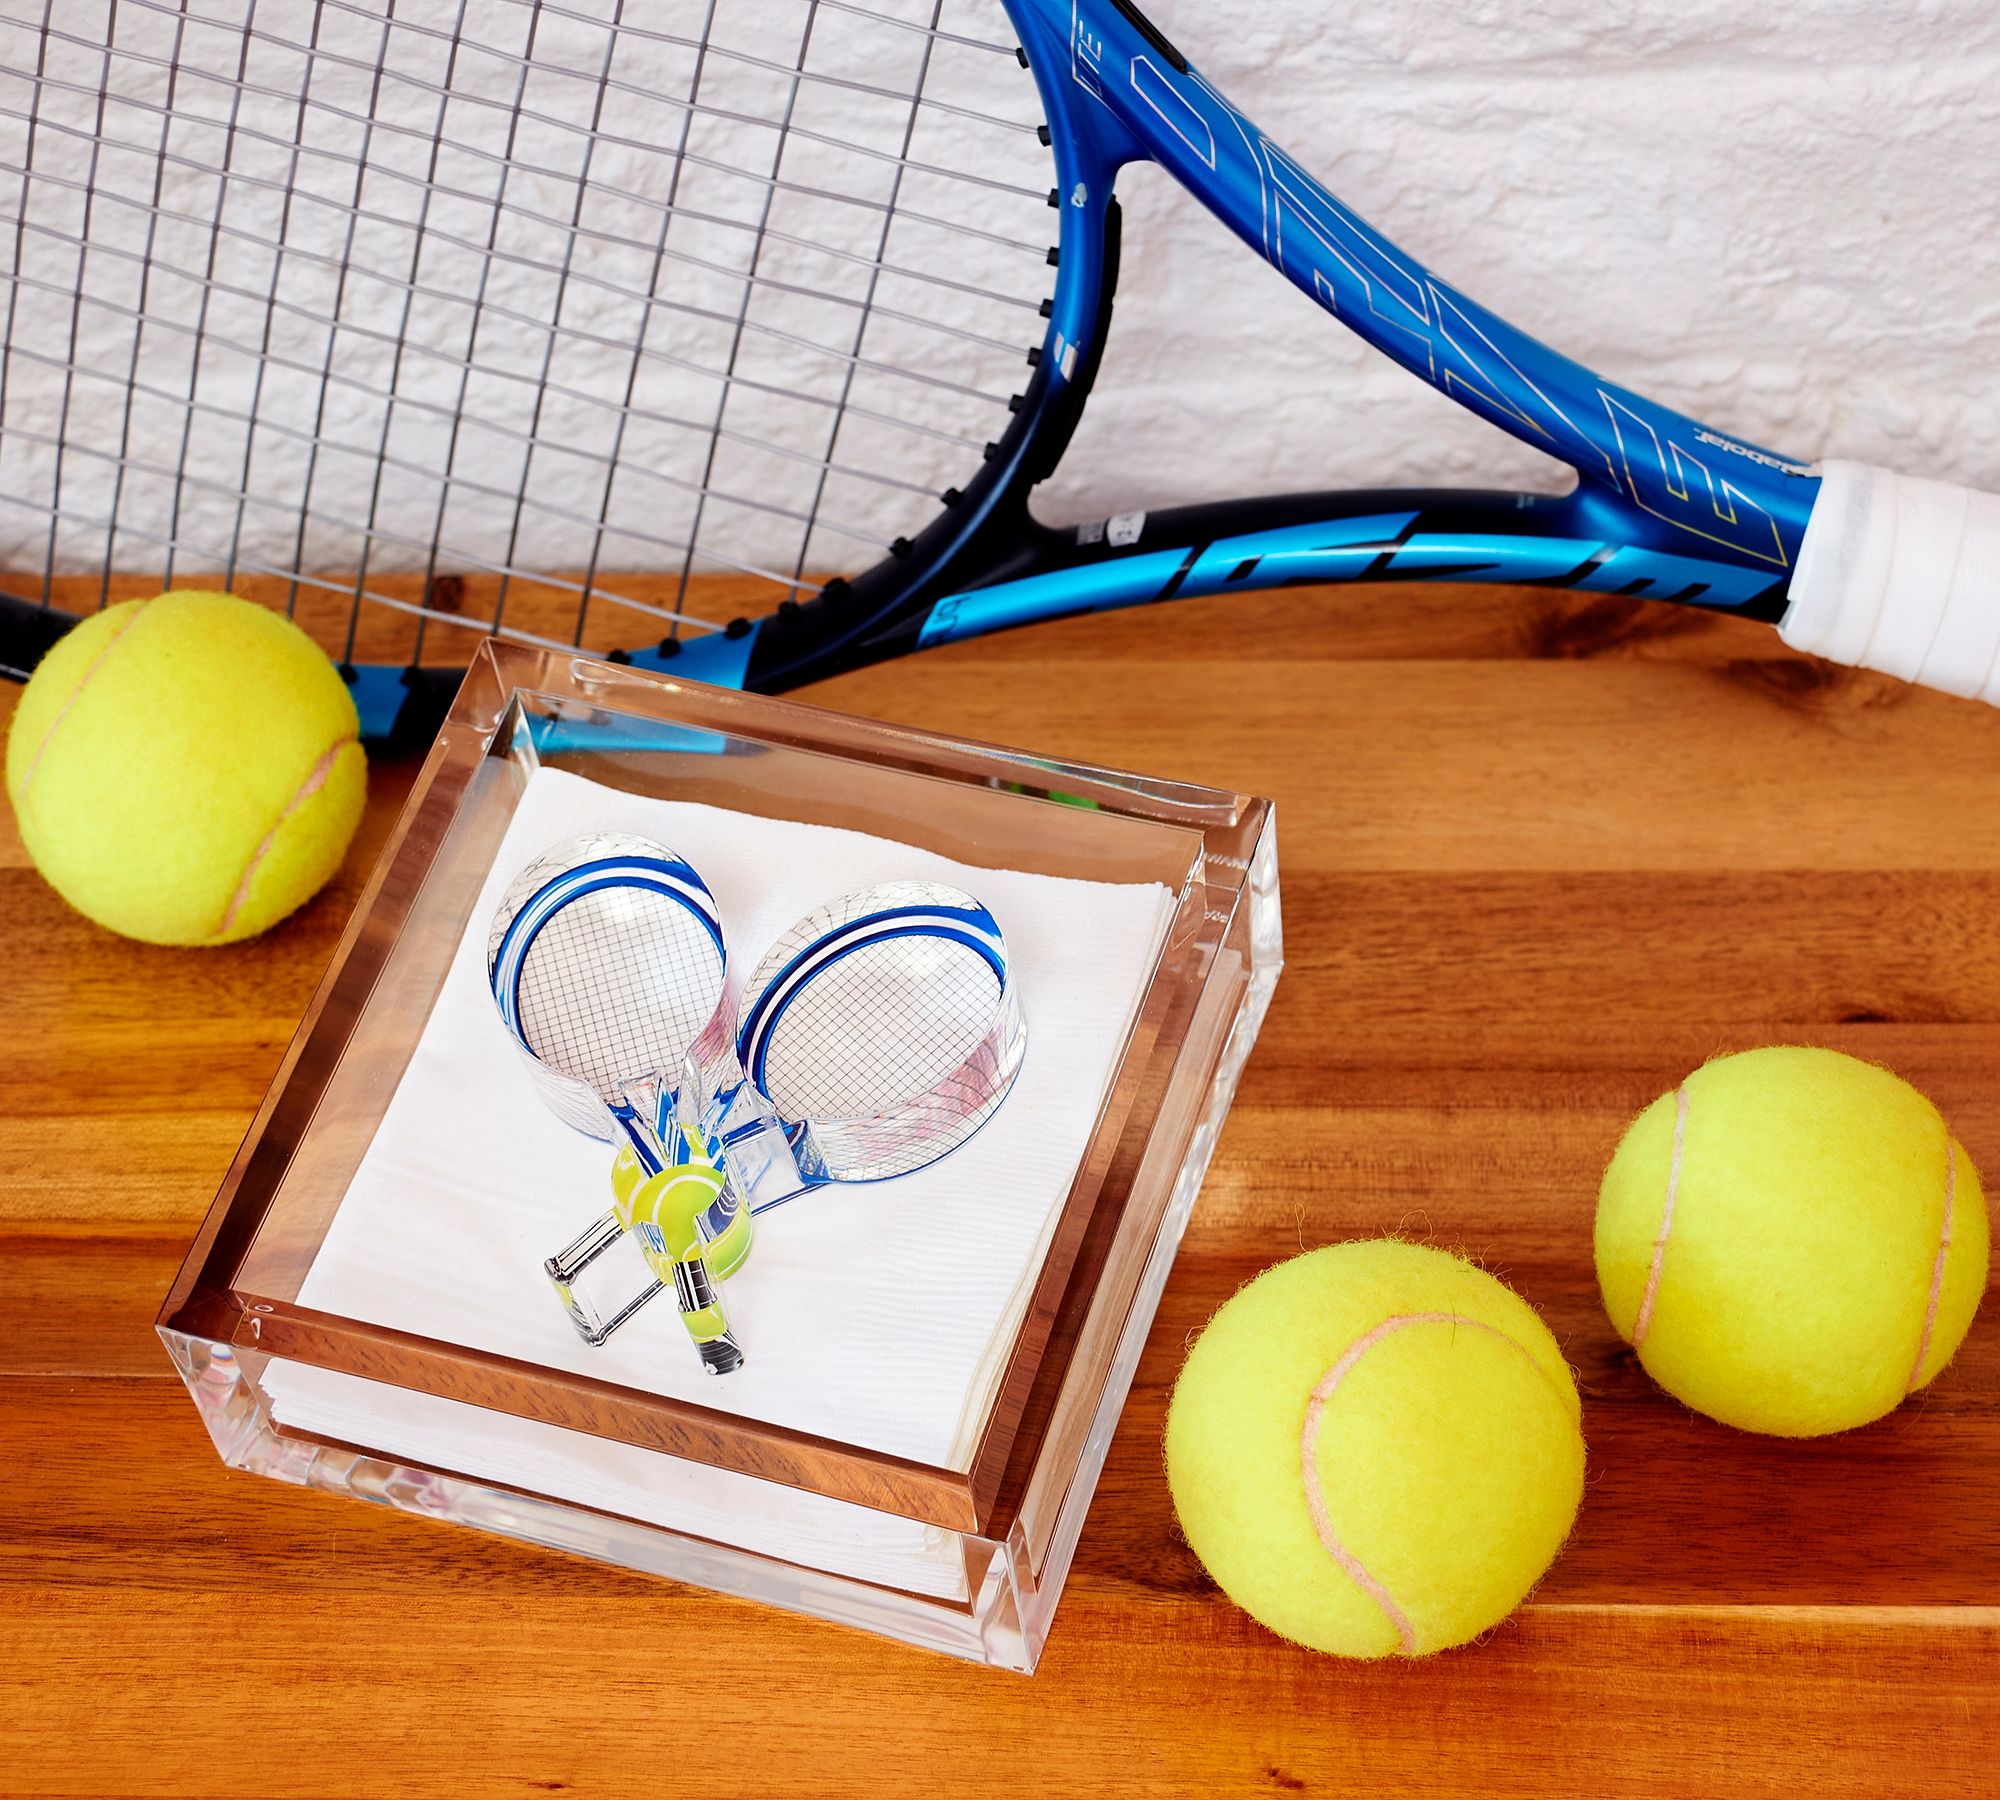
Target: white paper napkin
point(876, 1314)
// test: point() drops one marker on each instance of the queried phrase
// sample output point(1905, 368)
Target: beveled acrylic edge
point(530, 1390)
point(981, 1498)
point(432, 803)
point(620, 688)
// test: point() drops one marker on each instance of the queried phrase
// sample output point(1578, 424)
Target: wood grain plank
point(1558, 767)
point(1679, 1510)
point(80, 1299)
point(482, 1696)
point(1541, 854)
point(329, 1679)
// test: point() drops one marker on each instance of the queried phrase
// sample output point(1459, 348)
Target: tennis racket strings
point(418, 314)
point(606, 959)
point(886, 1024)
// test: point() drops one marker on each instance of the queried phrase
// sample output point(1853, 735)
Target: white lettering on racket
point(1649, 453)
point(1717, 441)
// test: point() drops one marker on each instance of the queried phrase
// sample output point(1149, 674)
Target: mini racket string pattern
point(606, 986)
point(606, 960)
point(877, 1027)
point(886, 1025)
point(320, 292)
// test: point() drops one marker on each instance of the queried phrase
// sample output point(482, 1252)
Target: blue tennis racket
point(735, 336)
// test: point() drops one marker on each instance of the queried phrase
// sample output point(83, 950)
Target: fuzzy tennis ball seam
point(1642, 1323)
point(316, 779)
point(1323, 1392)
point(1792, 1240)
point(20, 792)
point(1938, 1261)
point(1374, 1449)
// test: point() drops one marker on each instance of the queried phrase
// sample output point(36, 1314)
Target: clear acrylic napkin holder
point(1014, 1512)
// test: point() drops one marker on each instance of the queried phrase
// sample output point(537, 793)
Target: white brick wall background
point(1782, 219)
point(1785, 221)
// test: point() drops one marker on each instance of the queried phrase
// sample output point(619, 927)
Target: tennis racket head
point(605, 957)
point(735, 335)
point(460, 316)
point(887, 1024)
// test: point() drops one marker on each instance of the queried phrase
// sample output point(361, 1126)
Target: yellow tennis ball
point(1792, 1241)
point(186, 770)
point(1374, 1448)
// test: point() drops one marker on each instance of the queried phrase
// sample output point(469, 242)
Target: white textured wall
point(1783, 219)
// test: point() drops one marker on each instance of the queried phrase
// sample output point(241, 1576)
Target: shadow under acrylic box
point(934, 1365)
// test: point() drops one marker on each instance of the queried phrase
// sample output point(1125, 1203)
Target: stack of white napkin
point(879, 1315)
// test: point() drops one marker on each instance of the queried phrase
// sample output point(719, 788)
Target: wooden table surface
point(1539, 856)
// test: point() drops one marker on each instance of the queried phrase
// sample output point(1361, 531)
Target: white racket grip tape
point(1903, 576)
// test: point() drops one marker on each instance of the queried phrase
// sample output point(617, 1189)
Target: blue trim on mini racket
point(674, 879)
point(753, 1042)
point(634, 1128)
point(516, 943)
point(671, 1135)
point(768, 1026)
point(974, 918)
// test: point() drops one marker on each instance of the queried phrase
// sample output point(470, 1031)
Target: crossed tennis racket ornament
point(875, 1036)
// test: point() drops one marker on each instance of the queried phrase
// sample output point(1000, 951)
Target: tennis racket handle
point(1903, 576)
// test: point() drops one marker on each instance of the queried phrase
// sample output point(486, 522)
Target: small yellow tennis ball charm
point(1375, 1449)
point(686, 1210)
point(186, 770)
point(1792, 1241)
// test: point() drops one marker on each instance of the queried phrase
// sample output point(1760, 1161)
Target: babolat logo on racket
point(1716, 441)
